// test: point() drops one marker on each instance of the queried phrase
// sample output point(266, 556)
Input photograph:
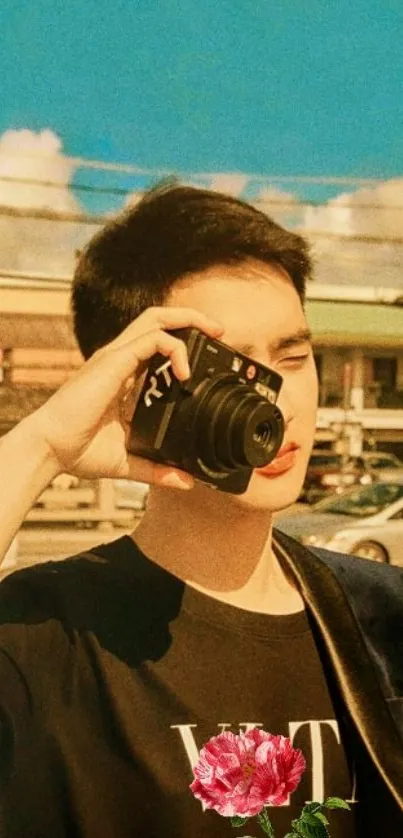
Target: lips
point(283, 462)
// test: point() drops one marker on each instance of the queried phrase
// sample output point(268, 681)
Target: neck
point(217, 546)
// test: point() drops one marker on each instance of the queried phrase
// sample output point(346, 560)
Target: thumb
point(157, 474)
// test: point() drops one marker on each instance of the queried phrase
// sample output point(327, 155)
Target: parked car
point(130, 494)
point(385, 467)
point(380, 460)
point(67, 492)
point(329, 472)
point(366, 521)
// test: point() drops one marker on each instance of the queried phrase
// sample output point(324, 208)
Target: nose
point(286, 405)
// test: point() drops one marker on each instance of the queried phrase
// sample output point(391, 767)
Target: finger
point(101, 381)
point(161, 342)
point(173, 317)
point(115, 367)
point(157, 474)
point(166, 317)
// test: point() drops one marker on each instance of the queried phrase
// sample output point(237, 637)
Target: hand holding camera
point(216, 422)
point(80, 429)
point(219, 424)
point(81, 424)
point(203, 410)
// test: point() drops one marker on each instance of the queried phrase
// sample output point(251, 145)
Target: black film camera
point(218, 425)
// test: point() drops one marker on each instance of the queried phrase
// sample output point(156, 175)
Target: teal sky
point(291, 87)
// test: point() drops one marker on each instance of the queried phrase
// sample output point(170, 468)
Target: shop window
point(384, 377)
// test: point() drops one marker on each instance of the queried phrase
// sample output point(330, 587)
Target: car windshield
point(361, 502)
point(325, 460)
point(384, 461)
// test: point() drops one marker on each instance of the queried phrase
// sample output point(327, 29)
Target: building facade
point(357, 338)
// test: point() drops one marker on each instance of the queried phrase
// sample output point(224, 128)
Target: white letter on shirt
point(317, 751)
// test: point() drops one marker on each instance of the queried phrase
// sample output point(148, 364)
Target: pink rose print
point(239, 775)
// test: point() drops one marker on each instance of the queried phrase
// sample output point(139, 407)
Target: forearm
point(80, 429)
point(26, 469)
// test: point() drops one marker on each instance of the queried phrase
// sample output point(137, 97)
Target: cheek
point(309, 394)
point(298, 398)
point(313, 386)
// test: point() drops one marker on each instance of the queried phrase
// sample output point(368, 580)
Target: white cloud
point(230, 184)
point(28, 156)
point(284, 207)
point(370, 211)
point(375, 211)
point(40, 245)
point(35, 244)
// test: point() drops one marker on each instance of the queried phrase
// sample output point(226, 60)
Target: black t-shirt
point(114, 674)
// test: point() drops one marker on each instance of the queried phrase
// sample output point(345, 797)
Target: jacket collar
point(353, 667)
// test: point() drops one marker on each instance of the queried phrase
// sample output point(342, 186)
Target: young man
point(118, 665)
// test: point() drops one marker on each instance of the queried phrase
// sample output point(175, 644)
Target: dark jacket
point(357, 606)
point(356, 610)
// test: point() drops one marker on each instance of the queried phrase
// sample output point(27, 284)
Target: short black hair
point(174, 230)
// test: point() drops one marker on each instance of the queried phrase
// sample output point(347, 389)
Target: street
point(38, 543)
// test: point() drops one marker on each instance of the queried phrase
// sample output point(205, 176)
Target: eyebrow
point(295, 339)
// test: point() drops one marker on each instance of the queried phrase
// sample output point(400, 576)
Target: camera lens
point(262, 434)
point(235, 426)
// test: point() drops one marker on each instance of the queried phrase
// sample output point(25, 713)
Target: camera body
point(219, 424)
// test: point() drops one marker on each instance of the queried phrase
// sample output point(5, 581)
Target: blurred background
point(296, 108)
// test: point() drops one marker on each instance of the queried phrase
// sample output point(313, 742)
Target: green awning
point(340, 323)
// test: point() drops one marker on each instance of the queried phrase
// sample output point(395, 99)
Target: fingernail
point(176, 481)
point(184, 374)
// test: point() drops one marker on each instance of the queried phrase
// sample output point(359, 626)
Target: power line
point(123, 192)
point(75, 187)
point(353, 237)
point(332, 206)
point(97, 220)
point(102, 165)
point(44, 214)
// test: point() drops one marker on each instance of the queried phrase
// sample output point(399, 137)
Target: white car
point(366, 521)
point(130, 494)
point(384, 466)
point(380, 460)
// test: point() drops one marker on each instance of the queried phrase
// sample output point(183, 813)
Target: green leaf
point(310, 826)
point(238, 821)
point(315, 809)
point(305, 831)
point(336, 803)
point(322, 818)
point(312, 807)
point(309, 818)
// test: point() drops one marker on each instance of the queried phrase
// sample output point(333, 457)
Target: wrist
point(34, 451)
point(28, 466)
